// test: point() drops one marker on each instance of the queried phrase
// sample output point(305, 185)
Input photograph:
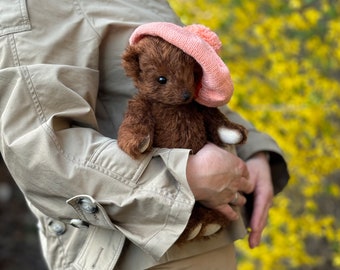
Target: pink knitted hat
point(202, 44)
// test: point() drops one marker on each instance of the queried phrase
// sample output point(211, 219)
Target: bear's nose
point(186, 95)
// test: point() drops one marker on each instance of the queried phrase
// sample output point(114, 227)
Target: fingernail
point(254, 242)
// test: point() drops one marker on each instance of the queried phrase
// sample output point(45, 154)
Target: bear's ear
point(130, 62)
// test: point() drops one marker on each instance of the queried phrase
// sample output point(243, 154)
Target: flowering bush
point(284, 57)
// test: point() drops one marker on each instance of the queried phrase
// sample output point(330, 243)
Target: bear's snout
point(187, 95)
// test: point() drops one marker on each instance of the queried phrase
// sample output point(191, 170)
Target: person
point(62, 99)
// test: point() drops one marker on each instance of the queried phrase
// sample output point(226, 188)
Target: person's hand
point(260, 177)
point(216, 177)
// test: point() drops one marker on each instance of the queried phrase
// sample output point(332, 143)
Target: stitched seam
point(22, 26)
point(131, 181)
point(23, 12)
point(110, 173)
point(78, 7)
point(118, 252)
point(33, 94)
point(84, 249)
point(12, 45)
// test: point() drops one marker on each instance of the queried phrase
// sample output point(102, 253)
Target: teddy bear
point(180, 81)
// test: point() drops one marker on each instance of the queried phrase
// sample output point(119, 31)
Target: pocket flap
point(13, 17)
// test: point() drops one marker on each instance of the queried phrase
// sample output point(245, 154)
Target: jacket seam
point(37, 105)
point(91, 163)
point(12, 45)
point(78, 7)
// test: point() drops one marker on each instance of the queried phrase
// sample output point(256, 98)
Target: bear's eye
point(162, 80)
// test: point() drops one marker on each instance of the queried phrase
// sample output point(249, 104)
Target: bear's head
point(162, 72)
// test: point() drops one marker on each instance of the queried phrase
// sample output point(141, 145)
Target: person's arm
point(51, 77)
point(51, 147)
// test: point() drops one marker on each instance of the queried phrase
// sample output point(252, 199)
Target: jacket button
point(78, 223)
point(57, 227)
point(88, 206)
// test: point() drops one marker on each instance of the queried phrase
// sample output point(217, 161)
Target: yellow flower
point(312, 16)
point(295, 4)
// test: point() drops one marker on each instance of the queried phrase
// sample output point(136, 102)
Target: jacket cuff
point(176, 162)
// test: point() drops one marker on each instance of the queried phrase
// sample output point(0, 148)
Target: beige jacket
point(62, 96)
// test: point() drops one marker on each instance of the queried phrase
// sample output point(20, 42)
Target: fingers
point(241, 178)
point(259, 218)
point(257, 225)
point(234, 201)
point(259, 171)
point(228, 211)
point(215, 175)
point(245, 186)
point(238, 200)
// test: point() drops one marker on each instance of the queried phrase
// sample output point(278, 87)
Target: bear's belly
point(180, 129)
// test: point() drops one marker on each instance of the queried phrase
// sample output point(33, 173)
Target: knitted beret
point(202, 44)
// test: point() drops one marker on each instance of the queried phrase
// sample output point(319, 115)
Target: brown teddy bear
point(180, 80)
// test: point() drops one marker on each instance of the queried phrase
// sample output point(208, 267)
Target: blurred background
point(284, 57)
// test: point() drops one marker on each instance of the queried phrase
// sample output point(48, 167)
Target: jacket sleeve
point(52, 149)
point(258, 142)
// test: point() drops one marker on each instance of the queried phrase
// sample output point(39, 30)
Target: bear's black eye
point(162, 80)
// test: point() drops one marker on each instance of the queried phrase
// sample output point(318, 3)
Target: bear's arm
point(135, 134)
point(214, 120)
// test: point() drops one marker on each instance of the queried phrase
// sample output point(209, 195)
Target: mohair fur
point(164, 112)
